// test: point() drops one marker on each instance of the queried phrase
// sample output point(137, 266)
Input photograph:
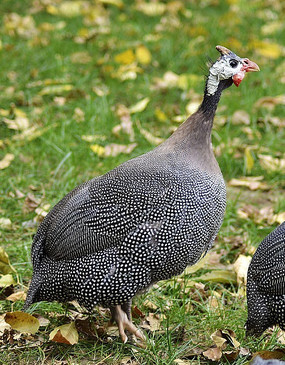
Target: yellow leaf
point(143, 55)
point(126, 57)
point(6, 280)
point(22, 322)
point(5, 266)
point(66, 333)
point(160, 115)
point(140, 106)
point(151, 9)
point(19, 123)
point(148, 136)
point(267, 49)
point(280, 217)
point(5, 162)
point(249, 161)
point(99, 150)
point(55, 89)
point(68, 9)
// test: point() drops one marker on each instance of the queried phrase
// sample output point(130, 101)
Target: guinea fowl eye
point(233, 63)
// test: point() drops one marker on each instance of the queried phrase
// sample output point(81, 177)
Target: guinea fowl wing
point(153, 216)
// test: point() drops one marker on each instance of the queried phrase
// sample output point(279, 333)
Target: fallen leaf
point(192, 107)
point(19, 123)
point(270, 163)
point(169, 80)
point(22, 322)
point(218, 276)
point(269, 102)
point(249, 161)
point(152, 8)
point(81, 57)
point(148, 136)
point(150, 305)
point(6, 161)
point(44, 322)
point(67, 333)
point(6, 280)
point(118, 3)
point(5, 266)
point(5, 223)
point(102, 90)
point(126, 124)
point(181, 362)
point(20, 295)
point(213, 353)
point(93, 138)
point(241, 117)
point(23, 26)
point(30, 203)
point(143, 55)
point(251, 182)
point(272, 27)
point(78, 115)
point(68, 9)
point(240, 267)
point(152, 322)
point(56, 89)
point(126, 58)
point(160, 115)
point(112, 149)
point(139, 106)
point(266, 354)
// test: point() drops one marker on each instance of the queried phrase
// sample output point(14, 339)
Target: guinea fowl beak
point(248, 66)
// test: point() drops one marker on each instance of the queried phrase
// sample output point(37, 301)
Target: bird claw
point(121, 318)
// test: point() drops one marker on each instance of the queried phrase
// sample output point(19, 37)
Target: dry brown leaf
point(150, 305)
point(30, 203)
point(181, 362)
point(152, 322)
point(67, 333)
point(22, 322)
point(240, 267)
point(20, 295)
point(6, 161)
point(251, 182)
point(213, 353)
point(266, 354)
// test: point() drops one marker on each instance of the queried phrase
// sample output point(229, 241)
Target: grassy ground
point(50, 91)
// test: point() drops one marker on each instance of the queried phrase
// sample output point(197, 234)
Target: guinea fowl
point(147, 220)
point(266, 284)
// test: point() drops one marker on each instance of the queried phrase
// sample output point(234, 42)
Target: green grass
point(58, 160)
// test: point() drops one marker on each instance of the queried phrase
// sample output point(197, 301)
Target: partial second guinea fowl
point(147, 220)
point(266, 284)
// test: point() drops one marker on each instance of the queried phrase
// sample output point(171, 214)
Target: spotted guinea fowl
point(117, 234)
point(266, 284)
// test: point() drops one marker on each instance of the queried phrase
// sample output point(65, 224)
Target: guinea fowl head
point(228, 69)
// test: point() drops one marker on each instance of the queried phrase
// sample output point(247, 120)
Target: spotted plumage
point(146, 220)
point(266, 284)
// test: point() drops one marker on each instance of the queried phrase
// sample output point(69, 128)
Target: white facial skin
point(222, 69)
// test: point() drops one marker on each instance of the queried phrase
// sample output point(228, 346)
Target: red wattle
point(237, 78)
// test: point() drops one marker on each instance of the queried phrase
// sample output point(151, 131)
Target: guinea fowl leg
point(124, 323)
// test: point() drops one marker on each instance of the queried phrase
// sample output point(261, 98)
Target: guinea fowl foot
point(124, 323)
